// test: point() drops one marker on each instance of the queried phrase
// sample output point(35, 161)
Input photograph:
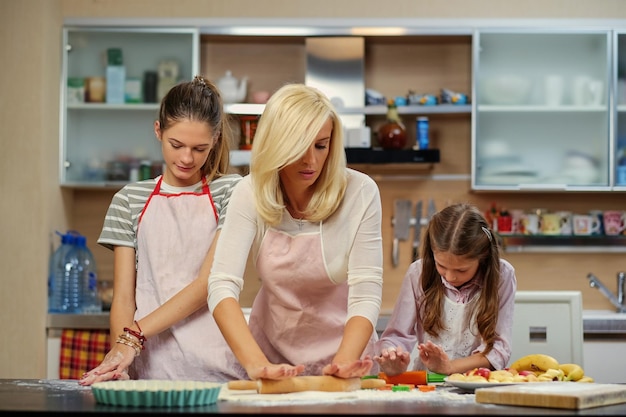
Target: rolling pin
point(306, 383)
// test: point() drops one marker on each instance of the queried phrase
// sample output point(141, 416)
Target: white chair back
point(548, 322)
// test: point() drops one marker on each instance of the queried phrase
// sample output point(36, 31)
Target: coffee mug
point(597, 226)
point(614, 221)
point(551, 224)
point(530, 224)
point(582, 224)
point(505, 225)
point(566, 222)
point(517, 216)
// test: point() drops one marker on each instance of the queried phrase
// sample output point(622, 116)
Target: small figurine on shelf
point(392, 134)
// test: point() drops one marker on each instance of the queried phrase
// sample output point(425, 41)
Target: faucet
point(618, 301)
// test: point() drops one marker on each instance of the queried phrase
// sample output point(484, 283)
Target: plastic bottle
point(56, 272)
point(90, 301)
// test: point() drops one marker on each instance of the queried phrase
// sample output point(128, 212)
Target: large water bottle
point(88, 277)
point(56, 273)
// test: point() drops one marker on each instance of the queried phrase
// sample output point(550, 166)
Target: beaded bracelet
point(125, 340)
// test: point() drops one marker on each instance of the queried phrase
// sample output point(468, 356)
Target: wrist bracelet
point(138, 335)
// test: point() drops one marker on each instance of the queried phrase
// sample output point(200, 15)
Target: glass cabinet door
point(620, 106)
point(541, 110)
point(103, 139)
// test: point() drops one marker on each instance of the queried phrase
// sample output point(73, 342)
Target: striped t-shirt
point(122, 217)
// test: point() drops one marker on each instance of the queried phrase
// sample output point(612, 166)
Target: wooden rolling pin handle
point(306, 383)
point(243, 385)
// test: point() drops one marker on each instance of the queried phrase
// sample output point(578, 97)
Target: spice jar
point(248, 129)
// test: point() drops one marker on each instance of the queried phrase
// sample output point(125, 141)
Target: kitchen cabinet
point(619, 81)
point(392, 65)
point(542, 110)
point(99, 141)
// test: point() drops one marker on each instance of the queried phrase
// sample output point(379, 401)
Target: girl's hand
point(434, 357)
point(271, 371)
point(113, 367)
point(356, 369)
point(393, 361)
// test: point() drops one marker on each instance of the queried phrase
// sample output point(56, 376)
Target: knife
point(418, 229)
point(431, 210)
point(401, 224)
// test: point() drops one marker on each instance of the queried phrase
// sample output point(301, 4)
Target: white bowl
point(505, 89)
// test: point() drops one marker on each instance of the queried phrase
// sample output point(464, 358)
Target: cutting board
point(570, 395)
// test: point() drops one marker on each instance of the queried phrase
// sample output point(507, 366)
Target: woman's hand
point(434, 357)
point(279, 371)
point(393, 361)
point(356, 369)
point(113, 367)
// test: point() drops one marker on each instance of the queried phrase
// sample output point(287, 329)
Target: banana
point(572, 371)
point(586, 379)
point(552, 375)
point(535, 362)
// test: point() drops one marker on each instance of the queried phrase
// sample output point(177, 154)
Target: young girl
point(456, 302)
point(163, 234)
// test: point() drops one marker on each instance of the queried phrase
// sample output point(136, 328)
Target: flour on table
point(319, 397)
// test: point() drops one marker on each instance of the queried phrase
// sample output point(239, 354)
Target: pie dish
point(156, 393)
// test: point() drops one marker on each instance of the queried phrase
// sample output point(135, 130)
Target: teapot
point(232, 89)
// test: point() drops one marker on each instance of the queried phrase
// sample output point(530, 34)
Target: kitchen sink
point(604, 321)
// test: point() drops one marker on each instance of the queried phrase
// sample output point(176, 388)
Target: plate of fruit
point(528, 369)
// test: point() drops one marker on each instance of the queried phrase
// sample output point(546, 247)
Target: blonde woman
point(314, 228)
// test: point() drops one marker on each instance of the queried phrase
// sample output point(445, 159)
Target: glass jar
point(392, 134)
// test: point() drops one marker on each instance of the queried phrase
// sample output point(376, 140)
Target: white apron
point(174, 234)
point(460, 337)
point(299, 314)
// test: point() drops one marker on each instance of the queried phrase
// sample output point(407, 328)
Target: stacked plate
point(156, 393)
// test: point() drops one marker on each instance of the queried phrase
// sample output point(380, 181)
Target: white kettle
point(232, 89)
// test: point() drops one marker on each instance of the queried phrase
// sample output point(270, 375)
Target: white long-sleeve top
point(351, 245)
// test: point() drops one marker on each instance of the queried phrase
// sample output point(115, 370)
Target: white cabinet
point(542, 110)
point(100, 140)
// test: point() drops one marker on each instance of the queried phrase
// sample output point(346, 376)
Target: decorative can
point(422, 127)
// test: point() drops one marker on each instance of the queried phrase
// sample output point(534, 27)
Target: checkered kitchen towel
point(81, 351)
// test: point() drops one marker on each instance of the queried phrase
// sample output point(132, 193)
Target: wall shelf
point(391, 156)
point(563, 244)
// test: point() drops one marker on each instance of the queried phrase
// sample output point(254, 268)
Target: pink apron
point(174, 235)
point(299, 314)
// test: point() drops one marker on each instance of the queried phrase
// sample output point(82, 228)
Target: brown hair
point(200, 100)
point(461, 230)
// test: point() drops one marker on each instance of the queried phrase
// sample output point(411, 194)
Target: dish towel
point(81, 351)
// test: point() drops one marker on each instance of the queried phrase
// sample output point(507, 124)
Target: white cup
point(581, 95)
point(554, 90)
point(596, 92)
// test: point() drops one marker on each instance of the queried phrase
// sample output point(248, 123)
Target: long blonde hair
point(292, 118)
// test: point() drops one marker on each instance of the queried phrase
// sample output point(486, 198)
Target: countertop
point(55, 396)
point(595, 322)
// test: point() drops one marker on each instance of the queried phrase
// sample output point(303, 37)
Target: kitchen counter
point(595, 322)
point(50, 396)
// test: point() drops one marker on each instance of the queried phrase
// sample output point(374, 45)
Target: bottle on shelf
point(57, 300)
point(422, 139)
point(91, 302)
point(73, 280)
point(392, 134)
